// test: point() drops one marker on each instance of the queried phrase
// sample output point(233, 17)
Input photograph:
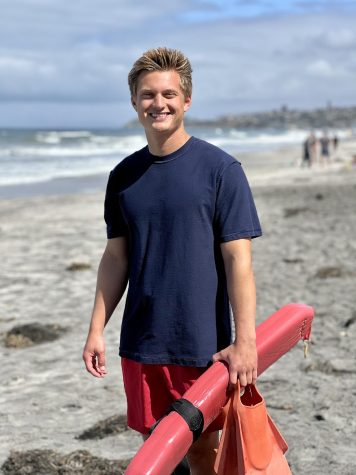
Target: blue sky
point(66, 63)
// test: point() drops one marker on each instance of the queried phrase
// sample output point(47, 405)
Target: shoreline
point(279, 163)
point(306, 254)
point(56, 186)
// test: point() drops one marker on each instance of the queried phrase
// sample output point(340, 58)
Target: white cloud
point(10, 65)
point(321, 68)
point(340, 38)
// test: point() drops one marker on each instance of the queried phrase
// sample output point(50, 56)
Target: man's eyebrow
point(166, 91)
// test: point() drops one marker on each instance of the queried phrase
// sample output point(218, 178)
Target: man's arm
point(241, 355)
point(111, 284)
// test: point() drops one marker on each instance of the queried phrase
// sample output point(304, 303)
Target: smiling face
point(160, 103)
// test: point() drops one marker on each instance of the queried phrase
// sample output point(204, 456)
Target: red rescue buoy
point(171, 439)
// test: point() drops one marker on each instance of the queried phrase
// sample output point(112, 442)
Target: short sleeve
point(115, 222)
point(235, 211)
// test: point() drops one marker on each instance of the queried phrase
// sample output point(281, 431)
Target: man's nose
point(158, 101)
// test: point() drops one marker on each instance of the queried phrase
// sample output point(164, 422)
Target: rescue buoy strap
point(191, 414)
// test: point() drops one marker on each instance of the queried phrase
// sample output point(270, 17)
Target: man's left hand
point(242, 361)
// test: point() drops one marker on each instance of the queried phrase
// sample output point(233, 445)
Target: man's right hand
point(111, 283)
point(94, 355)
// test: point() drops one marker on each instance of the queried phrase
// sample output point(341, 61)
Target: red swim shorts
point(151, 389)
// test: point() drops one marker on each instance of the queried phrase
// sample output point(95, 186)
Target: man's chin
point(161, 126)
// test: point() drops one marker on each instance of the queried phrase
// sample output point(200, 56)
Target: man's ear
point(133, 102)
point(187, 103)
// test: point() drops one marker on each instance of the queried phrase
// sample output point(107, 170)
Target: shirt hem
point(166, 359)
point(231, 237)
point(113, 235)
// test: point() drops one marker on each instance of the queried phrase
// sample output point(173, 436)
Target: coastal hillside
point(336, 117)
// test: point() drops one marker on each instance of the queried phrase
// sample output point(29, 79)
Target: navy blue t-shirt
point(175, 211)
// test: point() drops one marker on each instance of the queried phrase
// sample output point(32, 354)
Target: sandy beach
point(50, 248)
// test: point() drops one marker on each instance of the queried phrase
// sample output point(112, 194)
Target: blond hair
point(162, 59)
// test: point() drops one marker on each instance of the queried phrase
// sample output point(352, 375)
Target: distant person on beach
point(306, 161)
point(324, 148)
point(313, 148)
point(335, 145)
point(335, 142)
point(180, 217)
point(309, 151)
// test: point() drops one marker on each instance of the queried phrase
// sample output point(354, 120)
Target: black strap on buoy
point(182, 468)
point(191, 414)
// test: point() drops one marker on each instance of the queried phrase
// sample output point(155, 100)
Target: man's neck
point(160, 144)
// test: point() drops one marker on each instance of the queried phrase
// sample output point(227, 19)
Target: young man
point(180, 217)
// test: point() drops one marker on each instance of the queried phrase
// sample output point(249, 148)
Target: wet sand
point(50, 248)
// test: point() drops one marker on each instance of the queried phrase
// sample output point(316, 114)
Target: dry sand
point(50, 248)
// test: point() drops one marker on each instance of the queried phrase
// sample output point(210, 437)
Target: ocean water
point(56, 161)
